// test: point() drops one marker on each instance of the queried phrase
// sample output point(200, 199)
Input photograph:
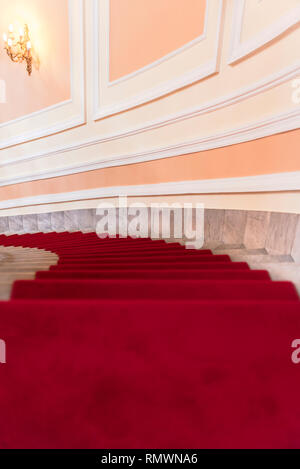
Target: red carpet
point(159, 289)
point(141, 344)
point(157, 274)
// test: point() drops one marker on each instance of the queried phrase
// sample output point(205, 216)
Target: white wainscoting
point(262, 183)
point(75, 106)
point(270, 126)
point(239, 49)
point(198, 39)
point(198, 73)
point(224, 101)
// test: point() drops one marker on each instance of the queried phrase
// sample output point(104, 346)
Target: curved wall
point(50, 82)
point(151, 31)
point(223, 104)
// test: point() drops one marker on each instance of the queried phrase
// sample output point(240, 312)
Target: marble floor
point(21, 263)
point(280, 267)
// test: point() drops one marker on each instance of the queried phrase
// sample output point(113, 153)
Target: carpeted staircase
point(135, 343)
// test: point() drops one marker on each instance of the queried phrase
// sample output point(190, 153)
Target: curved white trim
point(162, 89)
point(203, 71)
point(239, 49)
point(69, 123)
point(266, 127)
point(74, 120)
point(262, 183)
point(156, 62)
point(36, 113)
point(220, 103)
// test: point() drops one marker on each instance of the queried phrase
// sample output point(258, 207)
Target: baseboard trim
point(220, 103)
point(262, 183)
point(270, 126)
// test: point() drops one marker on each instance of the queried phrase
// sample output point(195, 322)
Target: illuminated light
point(18, 48)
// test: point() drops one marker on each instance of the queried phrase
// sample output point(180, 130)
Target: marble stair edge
point(276, 233)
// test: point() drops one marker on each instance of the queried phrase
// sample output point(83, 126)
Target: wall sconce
point(18, 47)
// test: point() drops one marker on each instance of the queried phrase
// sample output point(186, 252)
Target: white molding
point(166, 57)
point(239, 49)
point(269, 126)
point(162, 89)
point(96, 61)
point(66, 124)
point(198, 73)
point(35, 134)
point(263, 183)
point(35, 113)
point(224, 101)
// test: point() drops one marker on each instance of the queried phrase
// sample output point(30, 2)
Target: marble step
point(253, 255)
point(281, 271)
point(5, 290)
point(26, 263)
point(26, 254)
point(280, 267)
point(22, 268)
point(27, 260)
point(17, 263)
point(7, 248)
point(12, 276)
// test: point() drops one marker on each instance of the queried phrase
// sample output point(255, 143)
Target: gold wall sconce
point(18, 46)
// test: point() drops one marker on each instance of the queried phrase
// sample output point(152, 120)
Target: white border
point(37, 113)
point(74, 120)
point(239, 49)
point(263, 183)
point(162, 89)
point(238, 96)
point(156, 62)
point(269, 126)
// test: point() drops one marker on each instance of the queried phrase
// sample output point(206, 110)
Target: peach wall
point(261, 14)
point(279, 152)
point(116, 133)
point(143, 31)
point(50, 84)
